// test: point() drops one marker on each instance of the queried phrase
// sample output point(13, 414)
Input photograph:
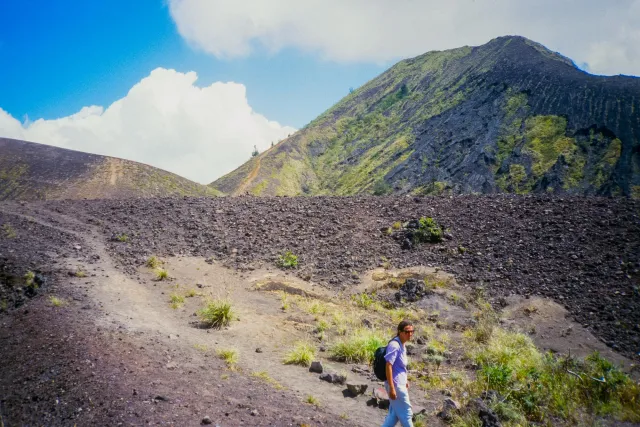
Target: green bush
point(217, 313)
point(287, 260)
point(428, 231)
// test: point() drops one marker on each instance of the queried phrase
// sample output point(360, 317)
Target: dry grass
point(303, 353)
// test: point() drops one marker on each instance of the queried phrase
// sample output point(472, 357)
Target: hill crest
point(32, 171)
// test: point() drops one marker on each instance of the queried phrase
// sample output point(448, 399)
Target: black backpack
point(379, 362)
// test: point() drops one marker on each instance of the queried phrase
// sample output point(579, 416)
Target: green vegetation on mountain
point(509, 116)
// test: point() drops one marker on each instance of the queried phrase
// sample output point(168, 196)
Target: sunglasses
point(409, 332)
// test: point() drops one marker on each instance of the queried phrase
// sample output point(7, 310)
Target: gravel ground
point(583, 252)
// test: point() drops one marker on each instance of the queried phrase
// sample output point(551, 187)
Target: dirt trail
point(247, 182)
point(141, 306)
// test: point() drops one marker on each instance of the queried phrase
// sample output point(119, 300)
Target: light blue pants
point(399, 409)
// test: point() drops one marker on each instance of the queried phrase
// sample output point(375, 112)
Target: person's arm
point(392, 387)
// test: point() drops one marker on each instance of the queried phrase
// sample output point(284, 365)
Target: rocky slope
point(30, 171)
point(107, 356)
point(508, 116)
point(582, 252)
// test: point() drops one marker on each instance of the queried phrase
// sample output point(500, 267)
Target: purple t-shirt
point(397, 355)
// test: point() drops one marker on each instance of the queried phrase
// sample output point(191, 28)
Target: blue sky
point(191, 86)
point(66, 54)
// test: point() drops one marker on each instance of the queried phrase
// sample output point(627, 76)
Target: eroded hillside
point(30, 171)
point(508, 116)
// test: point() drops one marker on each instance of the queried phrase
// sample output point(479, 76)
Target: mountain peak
point(508, 116)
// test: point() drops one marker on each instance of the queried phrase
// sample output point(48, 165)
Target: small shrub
point(420, 421)
point(312, 400)
point(285, 301)
point(153, 262)
point(162, 274)
point(287, 260)
point(229, 355)
point(9, 232)
point(57, 302)
point(176, 300)
point(80, 273)
point(380, 188)
point(4, 306)
point(217, 313)
point(397, 225)
point(29, 279)
point(190, 293)
point(385, 263)
point(434, 359)
point(313, 306)
point(122, 238)
point(428, 231)
point(363, 300)
point(322, 326)
point(357, 347)
point(302, 354)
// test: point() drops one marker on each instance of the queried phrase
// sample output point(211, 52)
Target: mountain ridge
point(32, 171)
point(507, 116)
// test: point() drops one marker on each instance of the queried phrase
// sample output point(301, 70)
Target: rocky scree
point(582, 252)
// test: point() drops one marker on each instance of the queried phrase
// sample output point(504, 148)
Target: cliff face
point(30, 171)
point(508, 116)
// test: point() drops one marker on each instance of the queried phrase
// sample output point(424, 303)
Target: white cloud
point(602, 34)
point(165, 121)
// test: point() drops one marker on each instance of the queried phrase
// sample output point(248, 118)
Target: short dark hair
point(403, 325)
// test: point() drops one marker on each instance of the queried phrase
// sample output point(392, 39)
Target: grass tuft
point(302, 354)
point(217, 313)
point(153, 262)
point(311, 400)
point(229, 355)
point(176, 301)
point(264, 376)
point(162, 274)
point(357, 347)
point(29, 279)
point(57, 302)
point(122, 238)
point(9, 232)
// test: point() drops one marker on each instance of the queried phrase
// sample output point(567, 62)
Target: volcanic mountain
point(509, 116)
point(30, 171)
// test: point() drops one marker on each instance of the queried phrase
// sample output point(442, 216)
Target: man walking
point(396, 384)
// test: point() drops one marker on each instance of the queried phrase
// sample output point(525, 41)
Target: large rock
point(412, 290)
point(357, 388)
point(381, 397)
point(449, 408)
point(333, 378)
point(486, 415)
point(316, 367)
